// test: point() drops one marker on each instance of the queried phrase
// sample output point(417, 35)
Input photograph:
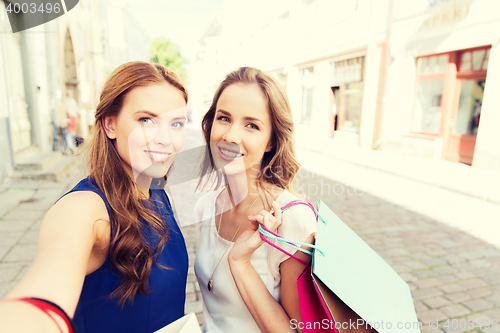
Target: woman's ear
point(269, 146)
point(109, 125)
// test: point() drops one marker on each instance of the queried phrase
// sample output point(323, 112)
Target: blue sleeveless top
point(147, 313)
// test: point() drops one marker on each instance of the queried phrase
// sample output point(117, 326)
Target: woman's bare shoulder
point(82, 207)
point(88, 201)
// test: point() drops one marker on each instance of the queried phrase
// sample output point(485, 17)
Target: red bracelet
point(49, 309)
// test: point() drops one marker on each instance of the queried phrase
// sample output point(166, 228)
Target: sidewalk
point(456, 177)
point(455, 194)
point(23, 207)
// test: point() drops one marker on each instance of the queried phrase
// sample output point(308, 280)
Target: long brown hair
point(279, 165)
point(129, 254)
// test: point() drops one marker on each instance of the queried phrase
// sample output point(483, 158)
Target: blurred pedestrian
point(66, 140)
point(72, 111)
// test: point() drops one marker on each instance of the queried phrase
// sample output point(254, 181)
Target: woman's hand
point(250, 240)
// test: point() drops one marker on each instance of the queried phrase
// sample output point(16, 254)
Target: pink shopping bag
point(314, 310)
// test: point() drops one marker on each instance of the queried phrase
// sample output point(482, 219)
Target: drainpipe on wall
point(385, 63)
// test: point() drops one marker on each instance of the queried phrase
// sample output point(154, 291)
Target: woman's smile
point(157, 157)
point(229, 154)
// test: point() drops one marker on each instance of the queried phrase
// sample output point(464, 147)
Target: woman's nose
point(232, 135)
point(162, 135)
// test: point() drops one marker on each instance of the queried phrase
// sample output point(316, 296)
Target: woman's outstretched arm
point(71, 239)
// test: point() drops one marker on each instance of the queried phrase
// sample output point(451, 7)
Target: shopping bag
point(186, 324)
point(315, 315)
point(352, 273)
point(358, 288)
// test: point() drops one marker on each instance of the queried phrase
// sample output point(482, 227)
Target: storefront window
point(476, 60)
point(348, 70)
point(469, 108)
point(449, 98)
point(432, 64)
point(443, 60)
point(353, 99)
point(347, 88)
point(427, 110)
point(427, 113)
point(471, 68)
point(465, 62)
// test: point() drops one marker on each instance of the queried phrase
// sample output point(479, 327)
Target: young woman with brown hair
point(110, 251)
point(248, 286)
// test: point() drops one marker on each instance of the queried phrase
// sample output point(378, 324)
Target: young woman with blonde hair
point(110, 252)
point(247, 285)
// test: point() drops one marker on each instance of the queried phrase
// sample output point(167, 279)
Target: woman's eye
point(253, 126)
point(223, 118)
point(178, 124)
point(146, 120)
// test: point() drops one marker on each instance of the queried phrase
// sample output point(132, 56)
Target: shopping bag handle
point(264, 232)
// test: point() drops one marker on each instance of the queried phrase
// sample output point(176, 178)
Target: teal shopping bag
point(352, 273)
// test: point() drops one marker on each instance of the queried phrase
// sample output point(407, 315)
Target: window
point(469, 107)
point(349, 70)
point(469, 73)
point(427, 111)
point(471, 76)
point(353, 99)
point(347, 87)
point(307, 94)
point(432, 65)
point(476, 60)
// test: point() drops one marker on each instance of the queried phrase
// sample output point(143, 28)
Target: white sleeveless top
point(223, 308)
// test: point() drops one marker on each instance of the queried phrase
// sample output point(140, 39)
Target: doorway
point(334, 108)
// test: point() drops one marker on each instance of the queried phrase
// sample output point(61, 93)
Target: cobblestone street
point(24, 204)
point(452, 274)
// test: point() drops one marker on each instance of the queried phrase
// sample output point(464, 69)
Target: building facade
point(444, 70)
point(414, 78)
point(39, 66)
